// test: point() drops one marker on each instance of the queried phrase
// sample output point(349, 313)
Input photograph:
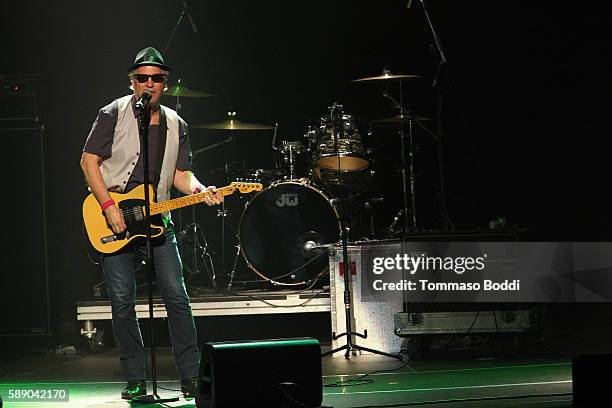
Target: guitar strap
point(161, 146)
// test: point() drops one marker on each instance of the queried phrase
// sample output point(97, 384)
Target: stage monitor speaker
point(590, 379)
point(24, 295)
point(270, 373)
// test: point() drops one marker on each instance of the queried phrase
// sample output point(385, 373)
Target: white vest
point(125, 152)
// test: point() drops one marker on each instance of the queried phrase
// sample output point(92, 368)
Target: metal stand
point(409, 217)
point(275, 149)
point(344, 212)
point(194, 227)
point(349, 347)
point(145, 119)
point(440, 63)
point(199, 248)
point(290, 150)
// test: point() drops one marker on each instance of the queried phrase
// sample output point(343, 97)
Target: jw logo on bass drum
point(287, 200)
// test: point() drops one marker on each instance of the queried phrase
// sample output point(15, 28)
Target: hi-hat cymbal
point(183, 91)
point(397, 120)
point(388, 76)
point(232, 124)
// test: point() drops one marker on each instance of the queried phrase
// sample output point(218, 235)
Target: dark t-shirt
point(100, 143)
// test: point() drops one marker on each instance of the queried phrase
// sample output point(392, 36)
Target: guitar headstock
point(246, 186)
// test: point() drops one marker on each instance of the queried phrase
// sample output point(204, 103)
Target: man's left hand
point(214, 198)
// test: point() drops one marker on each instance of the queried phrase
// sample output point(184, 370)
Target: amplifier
point(18, 98)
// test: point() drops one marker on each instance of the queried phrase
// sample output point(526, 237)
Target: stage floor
point(94, 380)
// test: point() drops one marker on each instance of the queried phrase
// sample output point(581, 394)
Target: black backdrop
point(524, 98)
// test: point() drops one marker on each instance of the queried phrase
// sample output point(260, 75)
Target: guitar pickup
point(111, 238)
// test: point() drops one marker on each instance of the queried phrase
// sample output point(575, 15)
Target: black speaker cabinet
point(24, 298)
point(270, 373)
point(591, 376)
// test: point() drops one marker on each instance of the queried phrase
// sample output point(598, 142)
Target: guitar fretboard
point(169, 205)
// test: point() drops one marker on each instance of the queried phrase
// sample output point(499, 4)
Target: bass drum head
point(275, 225)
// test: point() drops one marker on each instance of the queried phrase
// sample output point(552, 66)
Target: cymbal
point(183, 91)
point(388, 76)
point(232, 124)
point(397, 120)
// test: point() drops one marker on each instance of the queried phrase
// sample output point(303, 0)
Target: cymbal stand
point(237, 254)
point(410, 220)
point(199, 244)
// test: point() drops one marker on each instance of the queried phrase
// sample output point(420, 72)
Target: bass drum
point(277, 226)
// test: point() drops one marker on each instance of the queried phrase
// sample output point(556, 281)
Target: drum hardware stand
point(233, 273)
point(144, 120)
point(336, 128)
point(369, 206)
point(223, 213)
point(289, 150)
point(409, 216)
point(194, 227)
point(349, 347)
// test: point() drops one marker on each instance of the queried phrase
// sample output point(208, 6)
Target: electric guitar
point(131, 204)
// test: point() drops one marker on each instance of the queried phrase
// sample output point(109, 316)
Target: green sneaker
point(135, 388)
point(190, 387)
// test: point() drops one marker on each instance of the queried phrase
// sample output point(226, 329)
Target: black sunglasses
point(157, 78)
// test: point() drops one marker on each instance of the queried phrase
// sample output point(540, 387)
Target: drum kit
point(283, 230)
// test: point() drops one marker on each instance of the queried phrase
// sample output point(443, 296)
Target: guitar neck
point(175, 203)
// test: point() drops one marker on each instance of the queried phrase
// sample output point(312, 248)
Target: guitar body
point(132, 206)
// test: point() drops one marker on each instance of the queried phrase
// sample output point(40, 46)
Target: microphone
point(309, 248)
point(144, 100)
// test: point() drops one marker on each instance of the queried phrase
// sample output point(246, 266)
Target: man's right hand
point(114, 218)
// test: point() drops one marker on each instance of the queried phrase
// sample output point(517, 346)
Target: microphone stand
point(144, 117)
point(344, 226)
point(350, 346)
point(178, 22)
point(439, 95)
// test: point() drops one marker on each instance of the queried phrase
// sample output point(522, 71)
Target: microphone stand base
point(355, 347)
point(152, 399)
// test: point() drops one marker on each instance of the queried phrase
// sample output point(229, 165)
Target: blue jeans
point(119, 271)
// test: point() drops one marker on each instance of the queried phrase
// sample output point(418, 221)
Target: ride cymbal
point(388, 76)
point(232, 124)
